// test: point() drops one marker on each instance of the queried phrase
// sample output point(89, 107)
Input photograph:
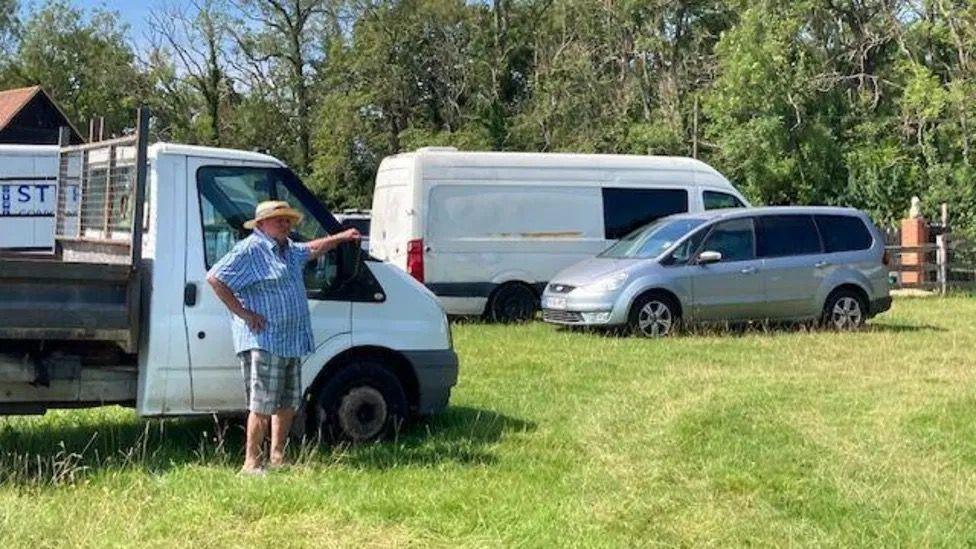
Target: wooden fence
point(949, 264)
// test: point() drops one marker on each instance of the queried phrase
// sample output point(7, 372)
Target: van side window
point(715, 200)
point(843, 233)
point(781, 235)
point(734, 239)
point(625, 210)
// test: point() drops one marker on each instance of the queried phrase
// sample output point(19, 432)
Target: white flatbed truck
point(121, 312)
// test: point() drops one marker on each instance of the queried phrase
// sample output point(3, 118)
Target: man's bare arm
point(254, 321)
point(320, 246)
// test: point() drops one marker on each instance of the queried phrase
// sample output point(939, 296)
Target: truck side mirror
point(350, 258)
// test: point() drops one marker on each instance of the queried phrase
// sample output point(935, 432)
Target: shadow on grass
point(740, 329)
point(40, 452)
point(461, 434)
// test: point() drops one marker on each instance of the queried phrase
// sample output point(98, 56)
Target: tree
point(83, 61)
point(284, 47)
point(194, 39)
point(9, 34)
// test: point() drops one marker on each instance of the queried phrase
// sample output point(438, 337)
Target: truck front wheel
point(362, 402)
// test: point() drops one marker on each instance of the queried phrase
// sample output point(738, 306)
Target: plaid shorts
point(270, 382)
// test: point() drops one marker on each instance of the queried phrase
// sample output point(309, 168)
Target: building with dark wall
point(28, 116)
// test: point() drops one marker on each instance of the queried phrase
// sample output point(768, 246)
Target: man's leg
point(256, 367)
point(257, 429)
point(289, 401)
point(280, 426)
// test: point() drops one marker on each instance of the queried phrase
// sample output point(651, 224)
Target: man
point(260, 280)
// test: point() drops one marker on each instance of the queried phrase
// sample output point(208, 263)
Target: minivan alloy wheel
point(846, 313)
point(655, 319)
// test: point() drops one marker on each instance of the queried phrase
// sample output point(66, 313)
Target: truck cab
point(383, 349)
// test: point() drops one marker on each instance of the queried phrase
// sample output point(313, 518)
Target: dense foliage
point(861, 102)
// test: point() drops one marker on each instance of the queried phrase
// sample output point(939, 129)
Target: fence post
point(942, 249)
point(942, 260)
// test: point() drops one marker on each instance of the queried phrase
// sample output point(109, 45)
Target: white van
point(485, 231)
point(28, 197)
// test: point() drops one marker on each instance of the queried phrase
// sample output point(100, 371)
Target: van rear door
point(392, 216)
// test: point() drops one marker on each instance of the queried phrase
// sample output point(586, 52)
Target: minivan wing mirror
point(708, 257)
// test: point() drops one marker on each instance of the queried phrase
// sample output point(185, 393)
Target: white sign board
point(27, 212)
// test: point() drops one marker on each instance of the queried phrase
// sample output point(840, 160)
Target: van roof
point(154, 150)
point(211, 152)
point(447, 157)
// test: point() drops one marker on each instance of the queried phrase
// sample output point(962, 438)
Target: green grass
point(556, 438)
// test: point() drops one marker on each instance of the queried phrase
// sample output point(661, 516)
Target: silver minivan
point(778, 263)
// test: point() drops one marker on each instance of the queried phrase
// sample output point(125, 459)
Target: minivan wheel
point(512, 302)
point(844, 311)
point(654, 315)
point(362, 402)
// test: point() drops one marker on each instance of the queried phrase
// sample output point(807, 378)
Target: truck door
point(222, 197)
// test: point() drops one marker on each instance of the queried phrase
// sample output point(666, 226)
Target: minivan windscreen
point(651, 240)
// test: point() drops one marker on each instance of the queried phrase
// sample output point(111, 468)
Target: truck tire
point(362, 402)
point(512, 302)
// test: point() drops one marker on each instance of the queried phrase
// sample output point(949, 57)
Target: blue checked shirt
point(267, 279)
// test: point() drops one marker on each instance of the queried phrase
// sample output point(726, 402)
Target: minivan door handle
point(748, 270)
point(821, 264)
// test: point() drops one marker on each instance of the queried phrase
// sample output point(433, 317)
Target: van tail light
point(415, 259)
point(886, 258)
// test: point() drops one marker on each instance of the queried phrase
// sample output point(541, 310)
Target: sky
point(134, 13)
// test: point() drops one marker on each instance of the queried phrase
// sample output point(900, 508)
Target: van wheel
point(654, 315)
point(844, 311)
point(362, 402)
point(512, 302)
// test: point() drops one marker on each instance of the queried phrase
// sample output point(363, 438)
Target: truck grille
point(563, 317)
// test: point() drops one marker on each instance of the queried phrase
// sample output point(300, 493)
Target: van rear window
point(625, 210)
point(843, 233)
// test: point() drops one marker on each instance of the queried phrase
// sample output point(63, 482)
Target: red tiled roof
point(12, 101)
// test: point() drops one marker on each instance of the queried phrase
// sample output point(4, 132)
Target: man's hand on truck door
point(322, 245)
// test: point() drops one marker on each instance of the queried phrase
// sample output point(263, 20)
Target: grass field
point(556, 438)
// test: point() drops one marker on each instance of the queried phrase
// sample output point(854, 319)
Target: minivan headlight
point(608, 284)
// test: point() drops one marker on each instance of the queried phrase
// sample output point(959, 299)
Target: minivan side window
point(625, 210)
point(843, 233)
point(782, 235)
point(734, 239)
point(715, 200)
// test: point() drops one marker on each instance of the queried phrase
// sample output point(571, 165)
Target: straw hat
point(273, 208)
